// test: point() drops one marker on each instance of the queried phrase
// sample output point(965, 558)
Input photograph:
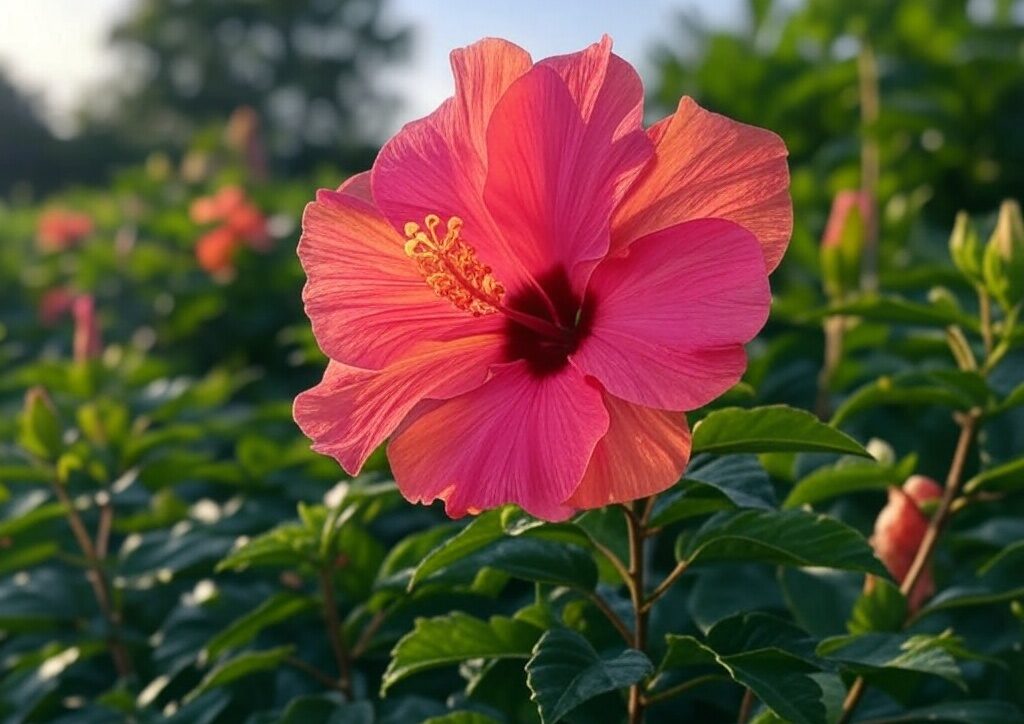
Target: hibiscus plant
point(543, 448)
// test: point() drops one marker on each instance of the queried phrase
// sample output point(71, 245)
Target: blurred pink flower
point(54, 304)
point(240, 223)
point(87, 342)
point(528, 289)
point(59, 229)
point(899, 530)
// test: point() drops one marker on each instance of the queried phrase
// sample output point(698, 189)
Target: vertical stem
point(97, 578)
point(870, 157)
point(834, 327)
point(968, 429)
point(636, 590)
point(746, 706)
point(333, 625)
point(985, 311)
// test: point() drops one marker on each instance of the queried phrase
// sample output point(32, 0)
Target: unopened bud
point(39, 429)
point(1004, 257)
point(842, 244)
point(966, 249)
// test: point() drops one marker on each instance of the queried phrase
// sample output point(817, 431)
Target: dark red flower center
point(565, 322)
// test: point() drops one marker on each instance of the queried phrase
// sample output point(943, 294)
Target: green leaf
point(873, 652)
point(891, 308)
point(978, 711)
point(39, 430)
point(789, 538)
point(1014, 399)
point(883, 608)
point(287, 545)
point(847, 477)
point(565, 671)
point(712, 484)
point(462, 717)
point(22, 558)
point(534, 559)
point(948, 388)
point(528, 553)
point(1008, 477)
point(481, 532)
point(454, 638)
point(779, 678)
point(328, 710)
point(240, 666)
point(770, 429)
point(244, 629)
point(998, 580)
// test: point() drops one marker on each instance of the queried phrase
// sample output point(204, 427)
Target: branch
point(968, 429)
point(333, 624)
point(97, 579)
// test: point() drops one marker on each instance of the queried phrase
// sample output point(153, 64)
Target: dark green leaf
point(241, 666)
point(779, 678)
point(947, 388)
point(244, 629)
point(791, 538)
point(883, 608)
point(902, 311)
point(481, 532)
point(1007, 477)
point(770, 429)
point(565, 671)
point(712, 484)
point(455, 638)
point(958, 712)
point(835, 480)
point(873, 652)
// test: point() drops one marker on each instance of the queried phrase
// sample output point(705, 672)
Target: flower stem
point(682, 688)
point(637, 540)
point(97, 578)
point(333, 624)
point(870, 157)
point(968, 430)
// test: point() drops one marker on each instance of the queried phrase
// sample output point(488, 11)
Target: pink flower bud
point(87, 343)
point(899, 530)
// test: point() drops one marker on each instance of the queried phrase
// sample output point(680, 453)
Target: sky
point(57, 48)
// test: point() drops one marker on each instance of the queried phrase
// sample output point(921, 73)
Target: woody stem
point(637, 538)
point(968, 430)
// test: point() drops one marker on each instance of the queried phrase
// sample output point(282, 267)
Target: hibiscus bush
point(542, 423)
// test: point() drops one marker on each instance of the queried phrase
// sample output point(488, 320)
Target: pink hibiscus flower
point(60, 229)
point(529, 288)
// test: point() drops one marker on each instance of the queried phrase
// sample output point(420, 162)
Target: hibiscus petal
point(644, 453)
point(554, 176)
point(515, 439)
point(708, 166)
point(436, 165)
point(670, 318)
point(367, 301)
point(353, 410)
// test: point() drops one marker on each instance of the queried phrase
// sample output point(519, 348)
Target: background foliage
point(171, 549)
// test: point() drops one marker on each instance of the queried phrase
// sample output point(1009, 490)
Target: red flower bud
point(899, 530)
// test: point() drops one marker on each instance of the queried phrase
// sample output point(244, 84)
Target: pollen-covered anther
point(450, 266)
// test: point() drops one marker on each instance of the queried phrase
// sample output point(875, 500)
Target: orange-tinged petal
point(367, 301)
point(353, 410)
point(643, 453)
point(709, 166)
point(517, 439)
